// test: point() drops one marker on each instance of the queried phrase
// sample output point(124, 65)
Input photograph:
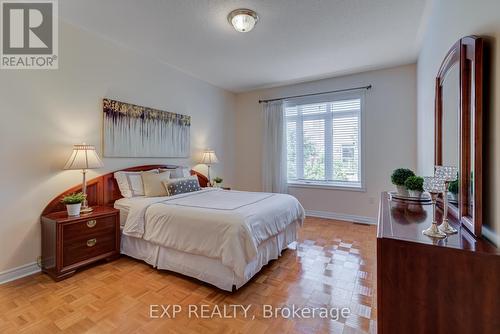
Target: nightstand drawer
point(88, 228)
point(85, 239)
point(82, 249)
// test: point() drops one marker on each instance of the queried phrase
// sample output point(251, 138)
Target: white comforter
point(227, 225)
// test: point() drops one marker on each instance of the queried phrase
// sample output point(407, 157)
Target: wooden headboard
point(103, 190)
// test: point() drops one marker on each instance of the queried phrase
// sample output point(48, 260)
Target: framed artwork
point(132, 131)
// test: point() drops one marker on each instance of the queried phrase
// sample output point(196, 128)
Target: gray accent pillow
point(182, 185)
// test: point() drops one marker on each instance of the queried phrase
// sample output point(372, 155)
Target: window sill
point(325, 186)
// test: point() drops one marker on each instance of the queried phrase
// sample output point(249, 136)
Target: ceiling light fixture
point(243, 20)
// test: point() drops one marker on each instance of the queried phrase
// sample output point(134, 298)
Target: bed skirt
point(207, 269)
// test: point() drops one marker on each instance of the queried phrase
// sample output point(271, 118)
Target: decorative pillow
point(130, 183)
point(153, 183)
point(182, 185)
point(177, 173)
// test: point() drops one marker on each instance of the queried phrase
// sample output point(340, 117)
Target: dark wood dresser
point(433, 286)
point(69, 243)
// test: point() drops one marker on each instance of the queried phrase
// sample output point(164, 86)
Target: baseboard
point(341, 216)
point(15, 273)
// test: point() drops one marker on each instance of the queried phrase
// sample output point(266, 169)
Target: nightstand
point(69, 243)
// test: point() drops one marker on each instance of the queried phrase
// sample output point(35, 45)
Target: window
point(324, 140)
point(347, 154)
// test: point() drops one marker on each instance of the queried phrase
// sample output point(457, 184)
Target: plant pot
point(73, 209)
point(217, 185)
point(415, 193)
point(402, 191)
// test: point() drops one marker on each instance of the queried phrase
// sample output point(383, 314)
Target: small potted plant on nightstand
point(218, 182)
point(399, 177)
point(73, 203)
point(415, 186)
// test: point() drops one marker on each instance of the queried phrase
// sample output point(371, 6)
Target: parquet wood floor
point(332, 265)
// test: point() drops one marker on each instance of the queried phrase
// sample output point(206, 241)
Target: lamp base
point(87, 209)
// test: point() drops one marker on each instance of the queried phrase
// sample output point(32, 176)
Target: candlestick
point(447, 174)
point(434, 186)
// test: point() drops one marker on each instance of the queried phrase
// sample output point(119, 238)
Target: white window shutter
point(324, 141)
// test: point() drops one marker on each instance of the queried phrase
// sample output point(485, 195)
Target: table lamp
point(209, 158)
point(84, 157)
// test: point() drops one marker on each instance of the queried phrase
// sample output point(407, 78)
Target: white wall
point(43, 113)
point(390, 137)
point(449, 21)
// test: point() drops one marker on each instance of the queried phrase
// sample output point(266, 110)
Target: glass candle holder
point(447, 174)
point(434, 186)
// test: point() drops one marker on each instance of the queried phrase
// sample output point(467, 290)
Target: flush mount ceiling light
point(243, 20)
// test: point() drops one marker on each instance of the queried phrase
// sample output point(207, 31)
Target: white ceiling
point(295, 40)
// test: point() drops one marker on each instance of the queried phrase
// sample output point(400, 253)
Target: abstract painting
point(132, 131)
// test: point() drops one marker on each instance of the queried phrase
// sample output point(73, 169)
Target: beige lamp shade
point(83, 157)
point(209, 158)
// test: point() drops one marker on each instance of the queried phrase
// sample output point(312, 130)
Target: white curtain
point(274, 174)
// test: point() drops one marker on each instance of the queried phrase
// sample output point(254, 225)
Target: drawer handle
point(91, 242)
point(91, 223)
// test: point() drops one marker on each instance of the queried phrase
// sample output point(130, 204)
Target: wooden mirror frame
point(468, 53)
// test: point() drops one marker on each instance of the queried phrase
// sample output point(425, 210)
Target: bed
point(222, 237)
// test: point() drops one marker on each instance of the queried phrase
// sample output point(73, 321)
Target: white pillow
point(177, 173)
point(130, 183)
point(186, 172)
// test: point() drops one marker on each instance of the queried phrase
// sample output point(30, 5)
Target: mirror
point(458, 128)
point(469, 200)
point(450, 128)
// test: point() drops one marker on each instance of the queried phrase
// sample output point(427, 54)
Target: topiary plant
point(415, 183)
point(400, 175)
point(74, 198)
point(453, 187)
point(218, 179)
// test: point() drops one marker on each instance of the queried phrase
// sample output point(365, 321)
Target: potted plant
point(415, 186)
point(73, 203)
point(217, 181)
point(453, 189)
point(399, 177)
